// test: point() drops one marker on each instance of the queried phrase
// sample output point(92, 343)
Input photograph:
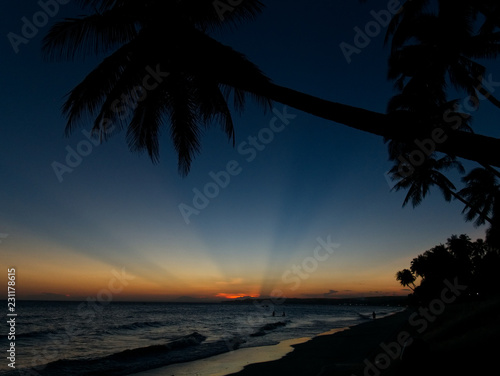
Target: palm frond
point(409, 10)
point(213, 105)
point(213, 15)
point(87, 97)
point(143, 132)
point(184, 122)
point(100, 5)
point(91, 35)
point(123, 98)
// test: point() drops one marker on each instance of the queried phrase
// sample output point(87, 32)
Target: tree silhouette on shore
point(470, 263)
point(406, 278)
point(482, 190)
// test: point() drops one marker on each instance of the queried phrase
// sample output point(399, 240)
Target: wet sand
point(226, 363)
point(336, 354)
point(327, 354)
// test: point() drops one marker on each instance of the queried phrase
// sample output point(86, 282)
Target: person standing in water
point(374, 315)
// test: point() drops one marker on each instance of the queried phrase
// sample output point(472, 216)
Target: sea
point(73, 338)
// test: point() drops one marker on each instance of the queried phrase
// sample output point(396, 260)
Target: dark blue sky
point(314, 179)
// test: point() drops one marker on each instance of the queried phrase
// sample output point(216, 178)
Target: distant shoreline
point(392, 301)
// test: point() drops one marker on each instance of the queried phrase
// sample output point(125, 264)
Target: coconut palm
point(196, 76)
point(153, 74)
point(434, 264)
point(406, 278)
point(425, 176)
point(425, 111)
point(433, 51)
point(493, 232)
point(489, 10)
point(428, 174)
point(461, 248)
point(482, 193)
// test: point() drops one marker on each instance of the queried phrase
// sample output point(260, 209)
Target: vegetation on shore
point(451, 336)
point(472, 264)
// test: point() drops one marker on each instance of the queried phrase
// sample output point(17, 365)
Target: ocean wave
point(262, 331)
point(180, 343)
point(234, 342)
point(137, 325)
point(123, 362)
point(37, 333)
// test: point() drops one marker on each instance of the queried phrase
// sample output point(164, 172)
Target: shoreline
point(227, 363)
point(333, 354)
point(339, 349)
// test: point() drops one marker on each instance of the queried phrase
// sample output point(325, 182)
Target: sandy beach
point(339, 350)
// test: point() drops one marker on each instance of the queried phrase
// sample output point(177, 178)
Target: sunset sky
point(113, 223)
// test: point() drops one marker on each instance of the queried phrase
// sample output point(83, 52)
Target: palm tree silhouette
point(406, 277)
point(432, 51)
point(482, 193)
point(429, 174)
point(198, 75)
point(493, 232)
point(434, 265)
point(154, 73)
point(425, 110)
point(461, 248)
point(425, 176)
point(488, 9)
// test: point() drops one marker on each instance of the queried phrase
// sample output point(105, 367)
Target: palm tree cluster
point(481, 194)
point(436, 45)
point(436, 49)
point(471, 263)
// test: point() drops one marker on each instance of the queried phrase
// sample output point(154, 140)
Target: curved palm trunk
point(412, 288)
point(398, 126)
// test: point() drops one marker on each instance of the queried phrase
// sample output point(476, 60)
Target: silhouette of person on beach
point(283, 314)
point(374, 315)
point(274, 313)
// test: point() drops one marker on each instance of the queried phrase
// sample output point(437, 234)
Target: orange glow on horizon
point(235, 296)
point(67, 274)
